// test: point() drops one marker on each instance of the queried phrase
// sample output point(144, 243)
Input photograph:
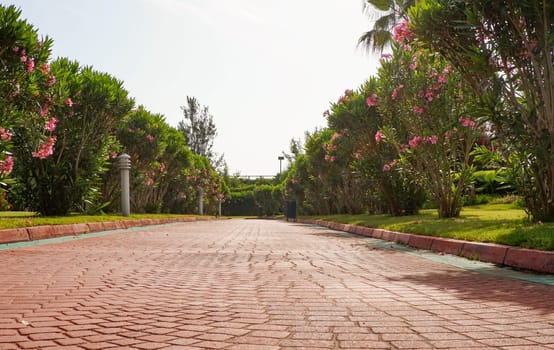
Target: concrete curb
point(521, 258)
point(35, 233)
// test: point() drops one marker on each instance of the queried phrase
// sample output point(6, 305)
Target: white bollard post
point(125, 165)
point(201, 201)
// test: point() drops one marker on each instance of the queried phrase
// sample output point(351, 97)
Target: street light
point(280, 160)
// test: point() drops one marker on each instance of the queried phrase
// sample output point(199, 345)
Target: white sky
point(267, 69)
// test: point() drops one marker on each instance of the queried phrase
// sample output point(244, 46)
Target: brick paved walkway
point(249, 284)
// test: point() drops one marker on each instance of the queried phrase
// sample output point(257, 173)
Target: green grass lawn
point(15, 219)
point(495, 223)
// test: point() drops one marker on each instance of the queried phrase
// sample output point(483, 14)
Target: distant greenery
point(494, 223)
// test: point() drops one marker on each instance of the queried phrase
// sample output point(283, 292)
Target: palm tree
point(392, 11)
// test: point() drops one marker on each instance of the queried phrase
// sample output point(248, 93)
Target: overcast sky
point(267, 69)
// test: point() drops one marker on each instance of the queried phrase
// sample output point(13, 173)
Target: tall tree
point(198, 128)
point(392, 12)
point(504, 49)
point(93, 104)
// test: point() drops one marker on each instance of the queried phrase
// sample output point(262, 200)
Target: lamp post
point(280, 160)
point(125, 165)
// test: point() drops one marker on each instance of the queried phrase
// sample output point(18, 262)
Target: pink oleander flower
point(431, 139)
point(358, 154)
point(326, 113)
point(46, 148)
point(5, 134)
point(418, 110)
point(162, 167)
point(371, 101)
point(150, 138)
point(30, 65)
point(327, 157)
point(6, 165)
point(69, 102)
point(23, 58)
point(466, 122)
point(335, 137)
point(51, 81)
point(51, 124)
point(393, 163)
point(332, 159)
point(402, 32)
point(429, 95)
point(414, 142)
point(293, 181)
point(379, 136)
point(347, 92)
point(386, 167)
point(44, 111)
point(385, 56)
point(149, 181)
point(441, 79)
point(45, 68)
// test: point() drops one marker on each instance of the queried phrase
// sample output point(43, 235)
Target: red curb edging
point(447, 246)
point(421, 242)
point(528, 259)
point(14, 235)
point(487, 252)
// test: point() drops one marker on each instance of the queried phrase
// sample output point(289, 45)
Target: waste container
point(290, 212)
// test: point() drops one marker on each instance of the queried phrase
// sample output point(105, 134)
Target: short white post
point(200, 201)
point(125, 165)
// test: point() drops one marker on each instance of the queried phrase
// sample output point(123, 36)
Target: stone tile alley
point(257, 284)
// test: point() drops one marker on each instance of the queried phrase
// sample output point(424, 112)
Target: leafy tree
point(198, 128)
point(432, 120)
point(25, 86)
point(90, 105)
point(158, 153)
point(358, 120)
point(503, 49)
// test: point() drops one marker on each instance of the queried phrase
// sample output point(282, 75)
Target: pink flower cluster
point(150, 138)
point(416, 140)
point(418, 110)
point(385, 57)
point(392, 164)
point(150, 177)
point(330, 158)
point(6, 165)
point(30, 65)
point(46, 148)
point(379, 136)
point(5, 134)
point(467, 122)
point(394, 94)
point(402, 33)
point(69, 102)
point(343, 98)
point(51, 124)
point(371, 101)
point(51, 81)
